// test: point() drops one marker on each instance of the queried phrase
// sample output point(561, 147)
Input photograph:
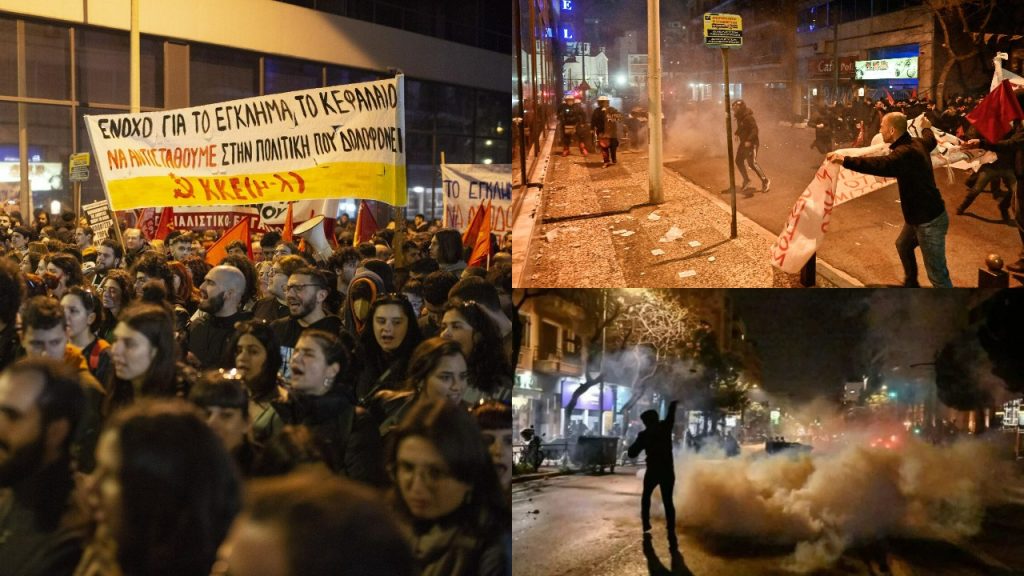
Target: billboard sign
point(886, 69)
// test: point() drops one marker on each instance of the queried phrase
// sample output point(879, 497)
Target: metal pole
point(517, 22)
point(656, 193)
point(728, 142)
point(135, 98)
point(835, 57)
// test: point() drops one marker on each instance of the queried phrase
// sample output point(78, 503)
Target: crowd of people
point(274, 414)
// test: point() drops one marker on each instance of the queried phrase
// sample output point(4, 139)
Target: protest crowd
point(198, 404)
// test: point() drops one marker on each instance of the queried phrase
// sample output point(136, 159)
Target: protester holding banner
point(924, 212)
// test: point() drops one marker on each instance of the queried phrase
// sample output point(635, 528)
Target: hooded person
point(363, 291)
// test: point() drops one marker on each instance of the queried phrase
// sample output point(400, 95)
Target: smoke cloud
point(827, 501)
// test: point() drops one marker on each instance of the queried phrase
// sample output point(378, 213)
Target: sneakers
point(583, 150)
point(766, 185)
point(565, 151)
point(605, 165)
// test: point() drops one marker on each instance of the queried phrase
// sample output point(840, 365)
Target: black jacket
point(209, 337)
point(657, 441)
point(746, 128)
point(909, 161)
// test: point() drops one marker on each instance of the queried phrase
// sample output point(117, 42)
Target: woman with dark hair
point(164, 494)
point(185, 293)
point(448, 493)
point(145, 357)
point(116, 292)
point(222, 396)
point(151, 266)
point(41, 220)
point(437, 371)
point(84, 315)
point(490, 375)
point(319, 398)
point(68, 271)
point(387, 344)
point(257, 357)
point(446, 249)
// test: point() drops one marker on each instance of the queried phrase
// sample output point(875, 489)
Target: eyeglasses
point(297, 287)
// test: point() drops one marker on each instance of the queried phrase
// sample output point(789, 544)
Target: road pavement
point(862, 234)
point(589, 525)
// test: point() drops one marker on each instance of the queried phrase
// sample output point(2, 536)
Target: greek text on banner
point(468, 187)
point(337, 142)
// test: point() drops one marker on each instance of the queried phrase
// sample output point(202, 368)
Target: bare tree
point(953, 17)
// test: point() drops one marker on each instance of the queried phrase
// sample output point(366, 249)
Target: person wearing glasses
point(305, 293)
point(448, 493)
point(84, 314)
point(274, 303)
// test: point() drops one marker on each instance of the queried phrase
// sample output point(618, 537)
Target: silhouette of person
point(656, 440)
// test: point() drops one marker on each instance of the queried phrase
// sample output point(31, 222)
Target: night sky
point(812, 341)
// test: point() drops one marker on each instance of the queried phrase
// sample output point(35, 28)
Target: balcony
point(559, 365)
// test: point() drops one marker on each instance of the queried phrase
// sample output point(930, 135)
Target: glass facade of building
point(51, 74)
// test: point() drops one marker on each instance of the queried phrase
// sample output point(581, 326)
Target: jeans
point(931, 237)
point(665, 481)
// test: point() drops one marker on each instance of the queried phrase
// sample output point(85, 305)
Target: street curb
point(831, 273)
point(526, 220)
point(539, 476)
point(530, 216)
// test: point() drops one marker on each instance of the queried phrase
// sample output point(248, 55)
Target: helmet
point(602, 99)
point(738, 104)
point(569, 96)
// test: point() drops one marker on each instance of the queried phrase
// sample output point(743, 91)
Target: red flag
point(469, 236)
point(289, 224)
point(993, 115)
point(482, 248)
point(888, 96)
point(219, 249)
point(146, 222)
point(366, 225)
point(166, 223)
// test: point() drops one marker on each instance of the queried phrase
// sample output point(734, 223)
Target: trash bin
point(597, 452)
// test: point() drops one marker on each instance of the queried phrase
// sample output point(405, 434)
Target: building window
point(8, 58)
point(49, 137)
point(102, 64)
point(47, 61)
point(219, 74)
point(286, 75)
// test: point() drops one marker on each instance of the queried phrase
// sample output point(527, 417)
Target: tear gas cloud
point(827, 501)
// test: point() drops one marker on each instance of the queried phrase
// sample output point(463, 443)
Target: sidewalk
point(591, 227)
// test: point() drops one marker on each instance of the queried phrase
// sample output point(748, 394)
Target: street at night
point(632, 128)
point(829, 432)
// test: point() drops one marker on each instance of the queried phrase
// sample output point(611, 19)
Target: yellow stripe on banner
point(366, 180)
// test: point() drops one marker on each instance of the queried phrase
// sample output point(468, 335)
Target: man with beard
point(41, 403)
point(220, 296)
point(305, 293)
point(108, 257)
point(275, 304)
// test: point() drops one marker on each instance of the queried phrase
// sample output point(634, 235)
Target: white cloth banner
point(810, 217)
point(336, 142)
point(468, 187)
point(833, 185)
